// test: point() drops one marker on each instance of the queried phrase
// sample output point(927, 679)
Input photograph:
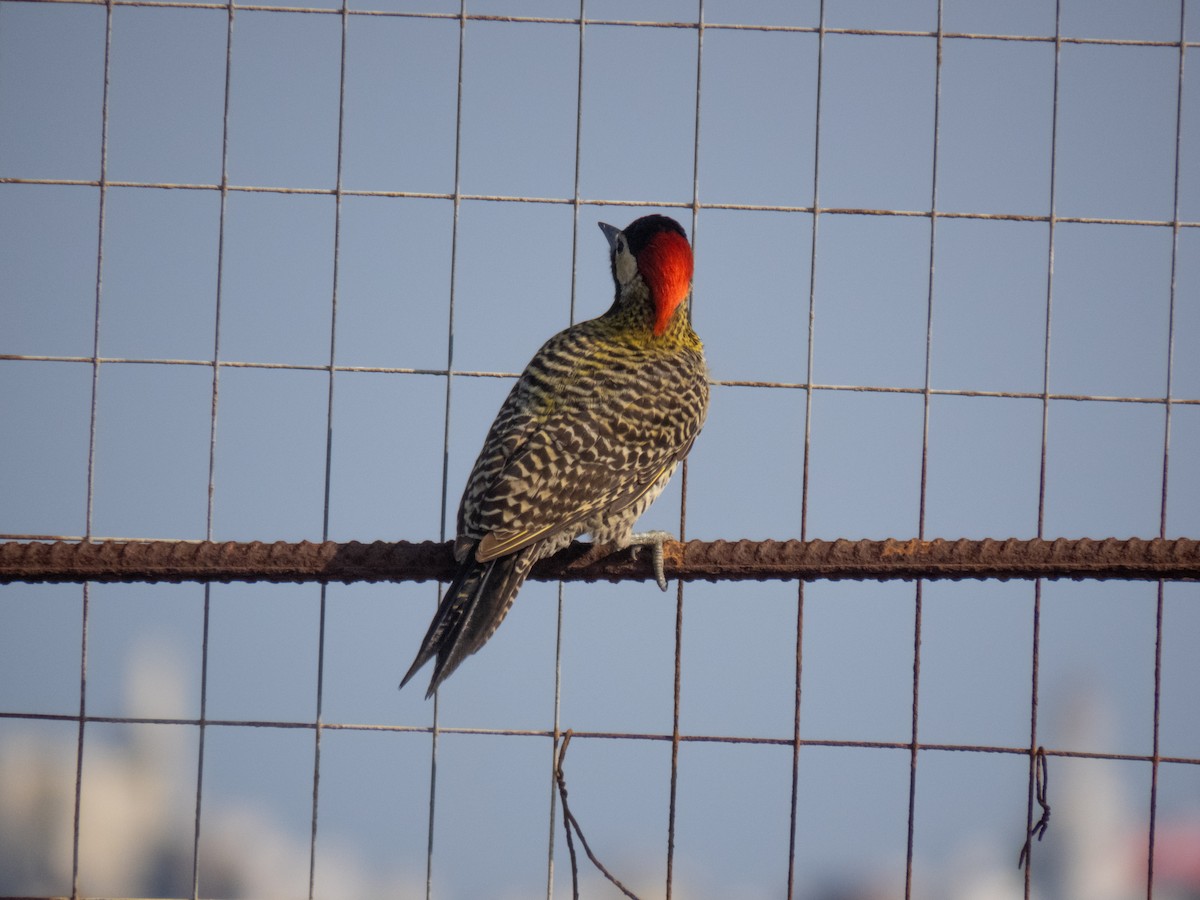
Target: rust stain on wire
point(209, 561)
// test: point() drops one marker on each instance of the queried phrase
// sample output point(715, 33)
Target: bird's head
point(656, 250)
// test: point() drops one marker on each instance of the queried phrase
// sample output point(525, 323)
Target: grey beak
point(610, 233)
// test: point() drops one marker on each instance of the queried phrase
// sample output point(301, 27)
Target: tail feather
point(471, 610)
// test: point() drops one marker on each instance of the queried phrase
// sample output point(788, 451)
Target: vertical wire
point(558, 630)
point(435, 732)
point(1166, 459)
point(1035, 673)
point(918, 600)
point(683, 483)
point(808, 395)
point(324, 588)
point(91, 454)
point(212, 446)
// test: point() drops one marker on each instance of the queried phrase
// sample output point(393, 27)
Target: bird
point(588, 437)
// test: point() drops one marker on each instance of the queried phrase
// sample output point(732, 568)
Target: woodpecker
point(588, 437)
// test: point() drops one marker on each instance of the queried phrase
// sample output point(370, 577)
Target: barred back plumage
point(586, 440)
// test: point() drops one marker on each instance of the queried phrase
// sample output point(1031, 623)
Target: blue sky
point(611, 120)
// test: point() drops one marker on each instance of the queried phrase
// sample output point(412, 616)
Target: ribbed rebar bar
point(208, 561)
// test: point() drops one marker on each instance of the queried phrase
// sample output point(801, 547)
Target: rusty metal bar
point(208, 561)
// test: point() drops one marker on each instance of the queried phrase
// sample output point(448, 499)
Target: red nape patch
point(666, 265)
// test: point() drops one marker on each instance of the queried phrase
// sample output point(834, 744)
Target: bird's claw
point(654, 540)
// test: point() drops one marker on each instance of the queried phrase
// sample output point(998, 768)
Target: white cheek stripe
point(626, 267)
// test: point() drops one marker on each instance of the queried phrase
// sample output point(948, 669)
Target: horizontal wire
point(599, 735)
point(952, 392)
point(582, 201)
point(576, 22)
point(482, 373)
point(235, 364)
point(109, 561)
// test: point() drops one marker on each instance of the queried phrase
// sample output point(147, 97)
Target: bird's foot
point(653, 539)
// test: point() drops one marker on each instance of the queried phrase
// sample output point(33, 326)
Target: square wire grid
point(306, 359)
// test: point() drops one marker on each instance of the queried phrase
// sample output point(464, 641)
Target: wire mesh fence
point(269, 271)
